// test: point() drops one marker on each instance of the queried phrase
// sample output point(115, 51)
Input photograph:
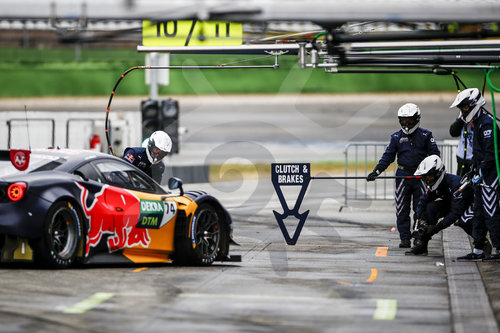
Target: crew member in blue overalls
point(158, 146)
point(446, 201)
point(410, 145)
point(486, 198)
point(465, 133)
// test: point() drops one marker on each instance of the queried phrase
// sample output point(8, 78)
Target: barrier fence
point(360, 159)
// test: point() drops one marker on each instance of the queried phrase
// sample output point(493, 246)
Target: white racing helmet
point(159, 145)
point(409, 117)
point(469, 102)
point(432, 171)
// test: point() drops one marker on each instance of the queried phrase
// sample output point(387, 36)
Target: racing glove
point(477, 177)
point(456, 127)
point(372, 175)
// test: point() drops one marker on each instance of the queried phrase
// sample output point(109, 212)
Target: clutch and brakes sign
point(291, 174)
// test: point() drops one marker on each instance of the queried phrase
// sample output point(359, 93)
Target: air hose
point(494, 89)
point(106, 122)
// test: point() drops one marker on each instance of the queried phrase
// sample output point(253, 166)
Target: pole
point(153, 88)
point(361, 177)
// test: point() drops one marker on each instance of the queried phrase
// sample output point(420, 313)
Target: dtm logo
point(113, 214)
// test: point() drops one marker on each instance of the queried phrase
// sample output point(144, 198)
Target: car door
point(143, 220)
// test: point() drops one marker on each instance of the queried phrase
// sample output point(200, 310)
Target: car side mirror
point(175, 183)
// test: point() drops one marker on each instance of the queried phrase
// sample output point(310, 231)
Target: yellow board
point(191, 33)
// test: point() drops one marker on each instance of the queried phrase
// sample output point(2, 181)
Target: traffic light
point(161, 115)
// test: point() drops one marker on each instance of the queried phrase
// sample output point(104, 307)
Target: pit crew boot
point(405, 243)
point(419, 248)
point(487, 248)
point(493, 257)
point(472, 256)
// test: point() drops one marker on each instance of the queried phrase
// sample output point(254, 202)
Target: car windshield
point(38, 162)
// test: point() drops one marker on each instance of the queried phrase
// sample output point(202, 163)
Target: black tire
point(58, 246)
point(201, 248)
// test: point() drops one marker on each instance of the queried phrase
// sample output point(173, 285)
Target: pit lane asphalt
point(336, 279)
point(345, 274)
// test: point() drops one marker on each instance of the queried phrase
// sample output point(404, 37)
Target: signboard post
point(291, 174)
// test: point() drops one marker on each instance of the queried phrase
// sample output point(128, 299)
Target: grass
point(54, 72)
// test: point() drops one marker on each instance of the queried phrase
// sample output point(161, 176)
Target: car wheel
point(201, 246)
point(58, 245)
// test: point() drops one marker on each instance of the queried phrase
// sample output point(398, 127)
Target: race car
point(76, 206)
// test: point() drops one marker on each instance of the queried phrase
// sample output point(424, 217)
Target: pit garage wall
point(75, 129)
point(69, 129)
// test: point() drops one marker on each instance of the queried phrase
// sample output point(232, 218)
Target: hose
point(315, 38)
point(494, 89)
point(106, 129)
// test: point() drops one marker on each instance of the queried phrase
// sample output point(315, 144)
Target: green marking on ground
point(386, 309)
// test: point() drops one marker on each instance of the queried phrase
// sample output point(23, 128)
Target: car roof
point(72, 157)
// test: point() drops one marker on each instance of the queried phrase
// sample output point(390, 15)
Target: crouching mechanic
point(158, 146)
point(411, 145)
point(444, 198)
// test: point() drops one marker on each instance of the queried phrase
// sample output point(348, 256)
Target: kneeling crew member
point(446, 199)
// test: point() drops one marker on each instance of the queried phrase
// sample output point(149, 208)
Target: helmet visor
point(157, 154)
point(464, 108)
point(408, 122)
point(430, 179)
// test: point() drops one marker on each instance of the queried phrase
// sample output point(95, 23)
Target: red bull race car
point(59, 207)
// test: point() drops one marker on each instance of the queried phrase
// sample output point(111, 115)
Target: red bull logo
point(113, 214)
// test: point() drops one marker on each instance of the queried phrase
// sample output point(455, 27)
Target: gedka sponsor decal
point(152, 207)
point(290, 174)
point(155, 214)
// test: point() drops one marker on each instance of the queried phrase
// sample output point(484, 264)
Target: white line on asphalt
point(89, 303)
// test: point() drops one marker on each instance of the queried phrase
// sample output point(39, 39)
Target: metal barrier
point(84, 132)
point(11, 124)
point(360, 159)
